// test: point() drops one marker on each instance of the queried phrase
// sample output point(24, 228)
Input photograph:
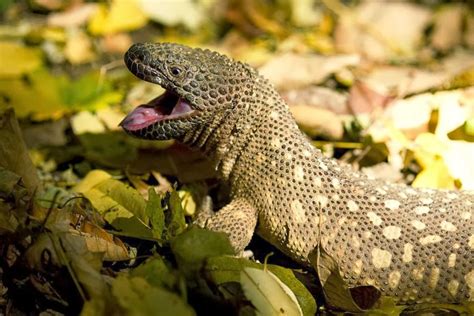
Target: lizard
point(413, 244)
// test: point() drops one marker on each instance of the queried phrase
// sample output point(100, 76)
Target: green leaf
point(225, 269)
point(112, 149)
point(268, 294)
point(138, 297)
point(177, 222)
point(132, 227)
point(155, 213)
point(469, 126)
point(195, 245)
point(156, 272)
point(90, 92)
point(121, 205)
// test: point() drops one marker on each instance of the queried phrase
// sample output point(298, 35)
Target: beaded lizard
point(413, 244)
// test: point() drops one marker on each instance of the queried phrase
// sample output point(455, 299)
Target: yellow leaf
point(91, 180)
point(37, 97)
point(428, 147)
point(78, 48)
point(86, 122)
point(16, 59)
point(436, 175)
point(122, 15)
point(187, 202)
point(187, 12)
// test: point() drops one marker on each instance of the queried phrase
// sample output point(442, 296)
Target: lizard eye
point(176, 71)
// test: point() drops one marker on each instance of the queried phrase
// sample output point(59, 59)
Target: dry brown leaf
point(78, 49)
point(365, 99)
point(290, 71)
point(404, 80)
point(102, 242)
point(447, 29)
point(49, 4)
point(110, 117)
point(382, 30)
point(116, 43)
point(469, 32)
point(318, 97)
point(74, 17)
point(315, 121)
point(13, 152)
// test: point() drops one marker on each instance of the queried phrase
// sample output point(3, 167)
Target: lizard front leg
point(237, 219)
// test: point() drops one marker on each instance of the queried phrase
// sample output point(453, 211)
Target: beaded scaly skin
point(414, 244)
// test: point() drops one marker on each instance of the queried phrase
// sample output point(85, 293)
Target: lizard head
point(198, 84)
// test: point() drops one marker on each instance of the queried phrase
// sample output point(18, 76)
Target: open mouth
point(167, 106)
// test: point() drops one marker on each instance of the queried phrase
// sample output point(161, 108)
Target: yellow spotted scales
point(413, 244)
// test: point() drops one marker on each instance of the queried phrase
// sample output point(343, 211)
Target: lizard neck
point(227, 134)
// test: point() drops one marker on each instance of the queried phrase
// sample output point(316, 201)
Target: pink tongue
point(141, 117)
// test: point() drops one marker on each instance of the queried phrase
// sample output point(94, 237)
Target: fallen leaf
point(435, 175)
point(453, 112)
point(304, 13)
point(110, 117)
point(110, 149)
point(13, 152)
point(14, 200)
point(49, 4)
point(469, 31)
point(17, 59)
point(447, 28)
point(402, 80)
point(100, 241)
point(155, 213)
point(365, 99)
point(310, 69)
point(120, 205)
point(171, 13)
point(176, 221)
point(405, 80)
point(92, 179)
point(119, 16)
point(157, 273)
point(138, 297)
point(38, 96)
point(187, 202)
point(224, 270)
point(195, 245)
point(268, 294)
point(335, 290)
point(90, 92)
point(382, 30)
point(116, 43)
point(317, 97)
point(76, 16)
point(78, 49)
point(314, 121)
point(86, 122)
point(411, 115)
point(459, 162)
point(48, 133)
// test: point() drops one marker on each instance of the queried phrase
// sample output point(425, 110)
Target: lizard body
point(412, 244)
